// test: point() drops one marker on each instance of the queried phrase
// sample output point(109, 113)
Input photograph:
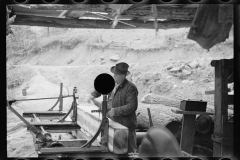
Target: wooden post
point(188, 132)
point(188, 128)
point(221, 138)
point(61, 99)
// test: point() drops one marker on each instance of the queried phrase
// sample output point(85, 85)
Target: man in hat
point(122, 102)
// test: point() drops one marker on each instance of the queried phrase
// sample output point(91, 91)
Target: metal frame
point(41, 130)
point(60, 99)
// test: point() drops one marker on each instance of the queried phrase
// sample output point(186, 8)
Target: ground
point(168, 64)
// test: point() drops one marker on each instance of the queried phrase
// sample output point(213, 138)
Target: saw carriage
point(108, 137)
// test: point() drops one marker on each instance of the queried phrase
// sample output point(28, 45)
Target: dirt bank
point(75, 57)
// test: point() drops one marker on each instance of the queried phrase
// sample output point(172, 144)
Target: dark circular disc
point(204, 124)
point(104, 83)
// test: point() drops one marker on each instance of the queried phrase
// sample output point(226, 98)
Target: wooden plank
point(59, 131)
point(82, 7)
point(82, 155)
point(212, 92)
point(73, 143)
point(63, 150)
point(49, 13)
point(178, 111)
point(80, 134)
point(209, 92)
point(63, 13)
point(228, 63)
point(188, 131)
point(44, 114)
point(221, 104)
point(87, 23)
point(46, 123)
point(62, 127)
point(77, 14)
point(90, 122)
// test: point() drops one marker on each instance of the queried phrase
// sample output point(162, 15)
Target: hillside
point(168, 64)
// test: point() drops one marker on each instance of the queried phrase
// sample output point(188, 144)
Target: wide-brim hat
point(120, 68)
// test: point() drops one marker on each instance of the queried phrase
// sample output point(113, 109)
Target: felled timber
point(161, 116)
point(87, 23)
point(90, 122)
point(172, 102)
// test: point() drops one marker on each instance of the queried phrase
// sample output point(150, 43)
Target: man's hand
point(97, 103)
point(89, 98)
point(111, 113)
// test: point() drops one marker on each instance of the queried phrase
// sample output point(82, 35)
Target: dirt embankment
point(168, 65)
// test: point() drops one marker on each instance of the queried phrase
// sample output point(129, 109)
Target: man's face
point(118, 78)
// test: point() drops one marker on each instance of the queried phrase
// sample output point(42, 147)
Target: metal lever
point(45, 139)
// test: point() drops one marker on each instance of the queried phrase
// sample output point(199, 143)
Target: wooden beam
point(137, 11)
point(63, 13)
point(85, 23)
point(82, 7)
point(228, 63)
point(62, 150)
point(46, 123)
point(44, 114)
point(213, 91)
point(117, 133)
point(188, 132)
point(167, 12)
point(49, 13)
point(209, 92)
point(73, 142)
point(178, 111)
point(221, 106)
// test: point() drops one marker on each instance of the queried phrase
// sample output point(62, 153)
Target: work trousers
point(132, 141)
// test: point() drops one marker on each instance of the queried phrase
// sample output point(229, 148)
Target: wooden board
point(188, 131)
point(62, 150)
point(44, 114)
point(90, 122)
point(178, 111)
point(222, 69)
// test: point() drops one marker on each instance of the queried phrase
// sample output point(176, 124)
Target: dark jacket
point(124, 103)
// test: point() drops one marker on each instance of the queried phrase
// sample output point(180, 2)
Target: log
point(172, 102)
point(90, 122)
point(87, 23)
point(161, 116)
point(157, 99)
